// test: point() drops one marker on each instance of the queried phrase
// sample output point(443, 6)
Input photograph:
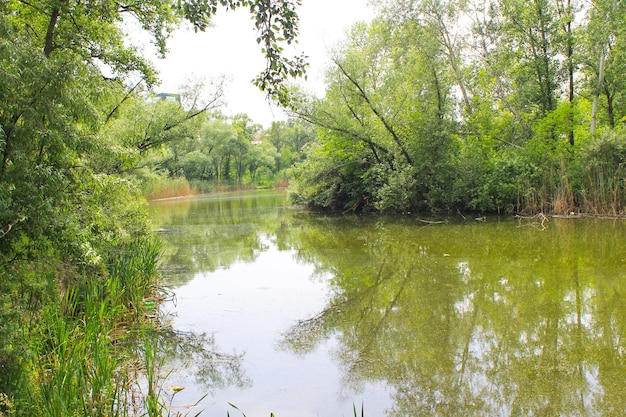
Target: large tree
point(385, 123)
point(603, 60)
point(64, 67)
point(68, 215)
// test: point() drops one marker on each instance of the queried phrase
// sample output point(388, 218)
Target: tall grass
point(78, 362)
point(605, 196)
point(163, 187)
point(590, 180)
point(87, 360)
point(603, 175)
point(132, 272)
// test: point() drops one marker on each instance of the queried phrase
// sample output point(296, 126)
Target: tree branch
point(126, 97)
point(378, 114)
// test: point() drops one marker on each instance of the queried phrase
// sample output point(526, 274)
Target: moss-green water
point(501, 317)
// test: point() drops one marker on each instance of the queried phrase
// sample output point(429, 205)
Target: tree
point(258, 157)
point(602, 58)
point(389, 114)
point(246, 132)
point(70, 222)
point(444, 17)
point(53, 76)
point(289, 138)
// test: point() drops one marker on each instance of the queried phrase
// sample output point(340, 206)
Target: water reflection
point(494, 318)
point(199, 355)
point(464, 319)
point(214, 231)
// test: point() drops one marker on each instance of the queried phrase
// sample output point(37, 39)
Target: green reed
point(85, 359)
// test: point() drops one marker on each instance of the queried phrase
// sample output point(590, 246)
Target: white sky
point(229, 48)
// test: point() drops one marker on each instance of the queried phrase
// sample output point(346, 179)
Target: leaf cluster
point(452, 106)
point(77, 258)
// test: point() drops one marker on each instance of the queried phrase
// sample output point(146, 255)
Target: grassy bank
point(78, 295)
point(165, 187)
point(76, 340)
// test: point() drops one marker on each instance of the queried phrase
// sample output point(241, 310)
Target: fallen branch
point(433, 222)
point(542, 224)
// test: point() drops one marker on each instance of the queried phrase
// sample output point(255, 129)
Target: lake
point(279, 310)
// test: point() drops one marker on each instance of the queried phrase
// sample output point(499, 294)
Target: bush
point(602, 174)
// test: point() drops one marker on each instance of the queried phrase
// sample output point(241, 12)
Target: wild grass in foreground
point(354, 409)
point(84, 339)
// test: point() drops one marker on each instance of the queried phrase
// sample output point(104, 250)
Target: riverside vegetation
point(437, 105)
point(78, 260)
point(472, 106)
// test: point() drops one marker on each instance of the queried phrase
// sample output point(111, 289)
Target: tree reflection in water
point(199, 356)
point(514, 322)
point(490, 318)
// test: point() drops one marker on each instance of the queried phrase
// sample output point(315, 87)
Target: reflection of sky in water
point(247, 308)
point(463, 319)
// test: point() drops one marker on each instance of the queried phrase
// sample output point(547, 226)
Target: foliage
point(452, 106)
point(77, 259)
point(226, 152)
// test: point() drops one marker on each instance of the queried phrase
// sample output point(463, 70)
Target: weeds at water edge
point(356, 414)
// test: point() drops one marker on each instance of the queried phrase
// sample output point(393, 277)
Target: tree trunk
point(545, 67)
point(49, 40)
point(609, 109)
point(596, 95)
point(570, 69)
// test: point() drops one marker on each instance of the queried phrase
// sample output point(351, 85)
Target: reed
point(603, 175)
point(163, 187)
point(132, 274)
point(152, 398)
point(85, 346)
point(604, 195)
point(78, 364)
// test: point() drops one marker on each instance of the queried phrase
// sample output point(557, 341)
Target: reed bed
point(91, 348)
point(161, 188)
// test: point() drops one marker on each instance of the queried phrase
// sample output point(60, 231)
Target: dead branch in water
point(429, 222)
point(534, 223)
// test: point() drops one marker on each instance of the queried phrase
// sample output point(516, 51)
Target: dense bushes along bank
point(498, 106)
point(587, 179)
point(75, 335)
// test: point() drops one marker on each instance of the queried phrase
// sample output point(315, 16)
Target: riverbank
point(171, 189)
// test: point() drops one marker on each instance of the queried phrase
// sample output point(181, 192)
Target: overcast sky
point(229, 48)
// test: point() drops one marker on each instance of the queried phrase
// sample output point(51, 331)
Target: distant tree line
point(219, 151)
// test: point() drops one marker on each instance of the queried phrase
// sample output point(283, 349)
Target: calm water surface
point(301, 314)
